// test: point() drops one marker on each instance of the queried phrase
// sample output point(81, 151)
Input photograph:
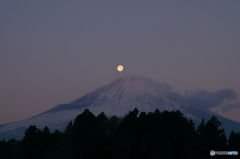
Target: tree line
point(137, 135)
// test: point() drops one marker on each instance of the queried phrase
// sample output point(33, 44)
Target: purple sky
point(52, 52)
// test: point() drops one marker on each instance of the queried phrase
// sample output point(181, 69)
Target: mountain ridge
point(118, 98)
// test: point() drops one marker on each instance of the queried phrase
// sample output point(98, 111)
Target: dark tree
point(138, 135)
point(234, 142)
point(212, 136)
point(10, 149)
point(126, 136)
point(88, 135)
point(31, 143)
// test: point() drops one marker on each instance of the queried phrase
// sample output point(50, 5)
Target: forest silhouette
point(137, 135)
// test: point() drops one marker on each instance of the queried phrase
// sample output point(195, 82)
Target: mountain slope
point(117, 98)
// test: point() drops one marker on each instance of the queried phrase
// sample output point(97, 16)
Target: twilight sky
point(52, 52)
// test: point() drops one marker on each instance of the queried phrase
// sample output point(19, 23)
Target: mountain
point(117, 98)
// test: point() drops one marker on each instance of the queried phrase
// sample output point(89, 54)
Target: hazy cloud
point(229, 107)
point(211, 99)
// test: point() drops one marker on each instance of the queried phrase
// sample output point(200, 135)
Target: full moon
point(120, 68)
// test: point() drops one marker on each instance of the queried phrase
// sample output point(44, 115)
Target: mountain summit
point(117, 98)
point(125, 94)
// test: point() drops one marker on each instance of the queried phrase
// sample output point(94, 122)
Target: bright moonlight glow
point(120, 68)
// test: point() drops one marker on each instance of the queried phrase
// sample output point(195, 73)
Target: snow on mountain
point(125, 94)
point(117, 98)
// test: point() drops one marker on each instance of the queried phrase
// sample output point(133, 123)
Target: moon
point(120, 68)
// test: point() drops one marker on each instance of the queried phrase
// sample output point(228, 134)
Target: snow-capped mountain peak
point(117, 98)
